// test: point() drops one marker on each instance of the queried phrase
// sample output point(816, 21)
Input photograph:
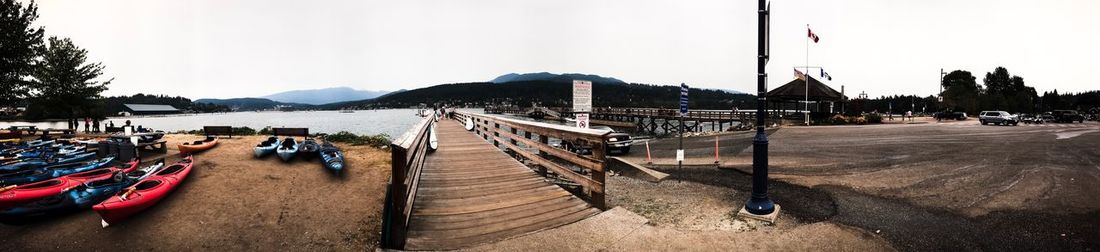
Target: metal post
point(759, 203)
point(806, 111)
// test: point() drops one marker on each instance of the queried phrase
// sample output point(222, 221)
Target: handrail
point(407, 160)
point(506, 132)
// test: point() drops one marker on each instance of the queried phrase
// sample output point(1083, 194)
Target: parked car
point(1046, 117)
point(998, 118)
point(950, 116)
point(1067, 116)
point(616, 141)
point(1030, 118)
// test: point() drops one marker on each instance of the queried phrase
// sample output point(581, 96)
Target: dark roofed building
point(150, 109)
point(794, 93)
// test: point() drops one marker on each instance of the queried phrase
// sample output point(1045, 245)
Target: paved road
point(933, 186)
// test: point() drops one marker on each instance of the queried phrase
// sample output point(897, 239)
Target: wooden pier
point(471, 191)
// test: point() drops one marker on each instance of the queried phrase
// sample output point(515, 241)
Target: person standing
point(87, 125)
point(95, 126)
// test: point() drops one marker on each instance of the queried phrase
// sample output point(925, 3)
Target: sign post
point(683, 112)
point(582, 101)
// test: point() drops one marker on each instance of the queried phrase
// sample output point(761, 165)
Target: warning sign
point(582, 120)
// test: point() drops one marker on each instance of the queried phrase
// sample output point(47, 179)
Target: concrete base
point(770, 218)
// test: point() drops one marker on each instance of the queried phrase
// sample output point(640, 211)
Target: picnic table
point(63, 132)
point(28, 128)
point(159, 145)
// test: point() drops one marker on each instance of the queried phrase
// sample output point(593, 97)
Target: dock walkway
point(471, 192)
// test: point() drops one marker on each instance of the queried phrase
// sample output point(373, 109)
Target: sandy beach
point(233, 202)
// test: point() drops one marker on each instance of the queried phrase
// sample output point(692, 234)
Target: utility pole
point(759, 206)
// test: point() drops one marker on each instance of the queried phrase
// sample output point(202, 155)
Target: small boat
point(49, 172)
point(39, 143)
point(144, 194)
point(308, 148)
point(198, 146)
point(332, 158)
point(71, 149)
point(11, 196)
point(79, 197)
point(36, 163)
point(267, 147)
point(287, 149)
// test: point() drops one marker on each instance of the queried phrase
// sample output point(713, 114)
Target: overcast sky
point(223, 48)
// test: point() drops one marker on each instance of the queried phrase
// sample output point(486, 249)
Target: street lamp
point(759, 206)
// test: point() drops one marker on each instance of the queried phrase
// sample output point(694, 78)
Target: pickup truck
point(1067, 116)
point(998, 118)
point(616, 141)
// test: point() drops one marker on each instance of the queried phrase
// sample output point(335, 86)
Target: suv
point(997, 118)
point(1067, 116)
point(616, 141)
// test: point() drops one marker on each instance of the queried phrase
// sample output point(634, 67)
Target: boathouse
point(150, 109)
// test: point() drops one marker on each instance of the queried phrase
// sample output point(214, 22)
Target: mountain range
point(324, 95)
point(565, 77)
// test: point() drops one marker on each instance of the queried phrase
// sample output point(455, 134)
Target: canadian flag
point(812, 35)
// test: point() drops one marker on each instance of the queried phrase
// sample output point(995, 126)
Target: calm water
point(393, 122)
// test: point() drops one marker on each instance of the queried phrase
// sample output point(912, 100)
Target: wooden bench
point(218, 131)
point(30, 129)
point(290, 131)
point(46, 133)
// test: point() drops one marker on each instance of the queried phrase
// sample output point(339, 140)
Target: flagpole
point(806, 111)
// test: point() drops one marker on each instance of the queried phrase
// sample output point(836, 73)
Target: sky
point(248, 48)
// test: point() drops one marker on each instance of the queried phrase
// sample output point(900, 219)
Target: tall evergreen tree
point(20, 43)
point(64, 84)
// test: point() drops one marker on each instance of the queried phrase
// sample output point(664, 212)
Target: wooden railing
point(407, 160)
point(521, 137)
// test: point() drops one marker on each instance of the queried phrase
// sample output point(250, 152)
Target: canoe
point(198, 146)
point(332, 158)
point(287, 149)
point(308, 148)
point(267, 147)
point(143, 194)
point(12, 196)
point(79, 197)
point(53, 171)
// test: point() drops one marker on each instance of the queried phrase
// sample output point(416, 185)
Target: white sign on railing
point(582, 96)
point(582, 120)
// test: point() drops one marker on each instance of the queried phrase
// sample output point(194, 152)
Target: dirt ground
point(233, 202)
point(921, 186)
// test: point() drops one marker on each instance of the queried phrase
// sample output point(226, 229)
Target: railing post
point(396, 208)
point(496, 134)
point(545, 140)
point(599, 151)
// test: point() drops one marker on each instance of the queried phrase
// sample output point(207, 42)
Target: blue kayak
point(267, 147)
point(332, 158)
point(49, 172)
point(81, 197)
point(37, 163)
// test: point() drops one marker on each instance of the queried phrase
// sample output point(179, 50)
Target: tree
point(961, 91)
point(20, 43)
point(63, 83)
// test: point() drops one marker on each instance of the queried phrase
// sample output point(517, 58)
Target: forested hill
point(552, 94)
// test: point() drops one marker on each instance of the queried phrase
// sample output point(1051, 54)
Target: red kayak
point(144, 194)
point(12, 196)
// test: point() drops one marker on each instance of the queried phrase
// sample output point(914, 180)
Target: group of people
point(91, 125)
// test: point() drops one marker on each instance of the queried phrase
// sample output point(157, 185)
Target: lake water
point(393, 122)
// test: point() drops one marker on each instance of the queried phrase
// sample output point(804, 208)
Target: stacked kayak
point(287, 149)
point(49, 172)
point(82, 196)
point(143, 194)
point(36, 163)
point(11, 196)
point(332, 158)
point(309, 148)
point(197, 146)
point(267, 147)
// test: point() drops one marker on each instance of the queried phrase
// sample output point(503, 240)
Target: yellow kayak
point(13, 140)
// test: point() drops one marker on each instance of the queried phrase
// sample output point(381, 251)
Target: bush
point(377, 141)
point(265, 131)
point(873, 118)
point(243, 131)
point(838, 120)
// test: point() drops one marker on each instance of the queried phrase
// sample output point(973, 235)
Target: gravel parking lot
point(927, 186)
